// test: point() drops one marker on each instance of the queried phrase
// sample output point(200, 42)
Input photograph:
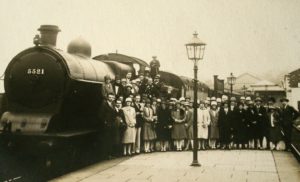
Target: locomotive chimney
point(48, 34)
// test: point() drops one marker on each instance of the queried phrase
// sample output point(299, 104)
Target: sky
point(255, 36)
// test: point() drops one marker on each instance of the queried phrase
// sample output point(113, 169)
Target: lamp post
point(231, 81)
point(195, 51)
point(244, 89)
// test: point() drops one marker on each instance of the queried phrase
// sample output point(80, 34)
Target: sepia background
point(257, 36)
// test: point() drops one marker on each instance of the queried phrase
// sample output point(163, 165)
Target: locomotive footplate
point(45, 143)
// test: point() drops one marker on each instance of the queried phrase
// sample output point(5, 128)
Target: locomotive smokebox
point(48, 34)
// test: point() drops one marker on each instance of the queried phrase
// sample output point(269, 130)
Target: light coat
point(203, 122)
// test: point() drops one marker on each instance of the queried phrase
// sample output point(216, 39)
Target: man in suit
point(262, 121)
point(224, 126)
point(232, 119)
point(108, 115)
point(288, 115)
point(117, 86)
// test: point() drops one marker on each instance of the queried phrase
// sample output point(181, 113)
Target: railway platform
point(216, 165)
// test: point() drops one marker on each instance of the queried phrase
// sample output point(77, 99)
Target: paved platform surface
point(235, 165)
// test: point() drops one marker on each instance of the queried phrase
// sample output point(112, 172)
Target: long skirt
point(163, 133)
point(254, 132)
point(190, 133)
point(275, 134)
point(203, 132)
point(129, 135)
point(214, 132)
point(179, 131)
point(224, 135)
point(149, 132)
point(241, 135)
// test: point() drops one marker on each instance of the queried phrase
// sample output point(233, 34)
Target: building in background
point(244, 80)
point(266, 89)
point(291, 83)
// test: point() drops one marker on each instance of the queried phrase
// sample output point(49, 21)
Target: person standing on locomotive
point(128, 77)
point(128, 90)
point(139, 122)
point(107, 87)
point(154, 67)
point(130, 133)
point(149, 88)
point(288, 115)
point(117, 86)
point(156, 91)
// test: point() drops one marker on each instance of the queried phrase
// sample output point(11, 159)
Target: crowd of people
point(138, 119)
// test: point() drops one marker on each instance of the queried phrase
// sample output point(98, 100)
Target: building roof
point(263, 83)
point(248, 75)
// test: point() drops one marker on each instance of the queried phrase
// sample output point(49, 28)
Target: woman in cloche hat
point(129, 134)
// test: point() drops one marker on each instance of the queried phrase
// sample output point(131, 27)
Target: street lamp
point(244, 89)
point(195, 51)
point(231, 81)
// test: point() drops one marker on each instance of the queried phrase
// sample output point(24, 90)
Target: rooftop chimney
point(48, 34)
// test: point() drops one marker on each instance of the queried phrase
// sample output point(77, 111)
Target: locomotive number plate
point(35, 71)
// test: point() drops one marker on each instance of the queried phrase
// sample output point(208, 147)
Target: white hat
point(158, 100)
point(186, 104)
point(248, 98)
point(224, 97)
point(128, 99)
point(214, 103)
point(233, 99)
point(219, 100)
point(242, 98)
point(213, 99)
point(206, 101)
point(173, 99)
point(208, 98)
point(181, 99)
point(147, 69)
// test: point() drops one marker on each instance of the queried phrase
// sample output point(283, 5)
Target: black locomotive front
point(35, 80)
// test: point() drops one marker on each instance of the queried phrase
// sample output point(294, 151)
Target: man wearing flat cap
point(288, 115)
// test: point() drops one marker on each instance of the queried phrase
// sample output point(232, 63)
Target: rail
point(295, 143)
